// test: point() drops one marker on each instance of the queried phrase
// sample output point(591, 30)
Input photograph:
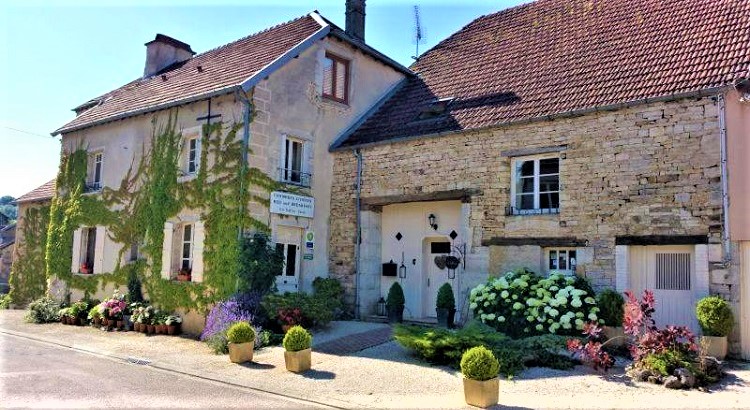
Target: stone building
point(604, 139)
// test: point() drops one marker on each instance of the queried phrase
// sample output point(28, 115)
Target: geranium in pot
point(716, 321)
point(481, 385)
point(173, 324)
point(184, 275)
point(445, 306)
point(611, 311)
point(241, 337)
point(395, 303)
point(297, 349)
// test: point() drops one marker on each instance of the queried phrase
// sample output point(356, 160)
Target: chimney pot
point(163, 51)
point(355, 19)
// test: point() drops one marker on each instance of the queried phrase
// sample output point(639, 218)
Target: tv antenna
point(418, 34)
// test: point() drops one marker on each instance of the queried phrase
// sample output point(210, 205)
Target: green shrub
point(241, 332)
point(315, 310)
point(445, 298)
point(612, 307)
point(714, 316)
point(95, 312)
point(666, 362)
point(395, 296)
point(260, 262)
point(521, 303)
point(296, 339)
point(79, 309)
point(43, 310)
point(331, 293)
point(478, 363)
point(5, 301)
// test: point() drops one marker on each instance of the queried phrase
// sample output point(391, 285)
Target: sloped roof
point(42, 193)
point(560, 56)
point(222, 70)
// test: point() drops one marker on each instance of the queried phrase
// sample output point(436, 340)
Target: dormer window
point(336, 78)
point(436, 108)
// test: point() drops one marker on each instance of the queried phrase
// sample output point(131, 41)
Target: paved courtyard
point(382, 376)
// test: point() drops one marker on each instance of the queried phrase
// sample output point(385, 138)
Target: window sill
point(334, 103)
point(530, 212)
point(85, 275)
point(186, 177)
point(93, 191)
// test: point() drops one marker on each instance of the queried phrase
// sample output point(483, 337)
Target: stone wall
point(652, 169)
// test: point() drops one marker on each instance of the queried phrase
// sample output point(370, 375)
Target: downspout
point(357, 313)
point(724, 182)
point(246, 117)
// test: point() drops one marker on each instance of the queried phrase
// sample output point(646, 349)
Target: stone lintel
point(661, 240)
point(464, 195)
point(539, 241)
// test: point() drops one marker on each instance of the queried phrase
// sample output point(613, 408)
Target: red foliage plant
point(592, 352)
point(290, 316)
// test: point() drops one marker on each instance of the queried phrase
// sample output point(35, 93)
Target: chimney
point(164, 51)
point(355, 19)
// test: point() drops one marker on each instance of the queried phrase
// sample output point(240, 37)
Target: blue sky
point(58, 54)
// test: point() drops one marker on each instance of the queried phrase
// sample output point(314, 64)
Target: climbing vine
point(148, 196)
point(27, 279)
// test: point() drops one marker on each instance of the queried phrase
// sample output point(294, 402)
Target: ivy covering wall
point(28, 280)
point(148, 196)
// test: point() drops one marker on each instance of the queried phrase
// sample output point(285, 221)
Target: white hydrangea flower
point(589, 300)
point(579, 323)
point(530, 318)
point(592, 316)
point(504, 294)
point(490, 316)
point(539, 327)
point(567, 326)
point(501, 318)
point(579, 314)
point(553, 312)
point(517, 306)
point(576, 303)
point(473, 305)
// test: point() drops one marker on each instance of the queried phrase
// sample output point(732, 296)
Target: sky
point(59, 54)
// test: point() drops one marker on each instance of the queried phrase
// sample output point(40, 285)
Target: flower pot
point(82, 321)
point(716, 346)
point(72, 320)
point(62, 319)
point(161, 329)
point(96, 321)
point(298, 362)
point(150, 329)
point(183, 278)
point(171, 329)
point(241, 352)
point(445, 317)
point(120, 324)
point(395, 314)
point(616, 334)
point(481, 393)
point(111, 324)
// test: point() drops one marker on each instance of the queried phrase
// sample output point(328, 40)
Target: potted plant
point(395, 303)
point(184, 275)
point(289, 317)
point(161, 326)
point(445, 306)
point(241, 337)
point(135, 318)
point(716, 321)
point(80, 311)
point(63, 314)
point(611, 310)
point(95, 315)
point(173, 324)
point(85, 269)
point(481, 385)
point(297, 351)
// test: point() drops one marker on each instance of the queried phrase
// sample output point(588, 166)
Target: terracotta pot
point(96, 321)
point(716, 346)
point(150, 329)
point(120, 324)
point(171, 329)
point(481, 393)
point(137, 326)
point(83, 321)
point(63, 319)
point(298, 362)
point(285, 328)
point(241, 352)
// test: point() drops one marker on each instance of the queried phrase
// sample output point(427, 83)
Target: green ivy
point(27, 278)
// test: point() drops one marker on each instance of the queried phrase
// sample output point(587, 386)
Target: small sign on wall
point(309, 245)
point(284, 203)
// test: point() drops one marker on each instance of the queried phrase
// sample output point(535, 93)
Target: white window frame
point(190, 242)
point(286, 157)
point(96, 157)
point(514, 177)
point(570, 267)
point(84, 248)
point(196, 162)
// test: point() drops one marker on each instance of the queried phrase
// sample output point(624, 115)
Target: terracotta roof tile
point(553, 56)
point(42, 193)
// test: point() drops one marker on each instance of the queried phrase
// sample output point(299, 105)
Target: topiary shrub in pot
point(297, 349)
point(241, 337)
point(611, 310)
point(716, 321)
point(395, 303)
point(445, 306)
point(481, 385)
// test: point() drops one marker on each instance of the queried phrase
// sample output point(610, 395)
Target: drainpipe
point(357, 313)
point(246, 117)
point(724, 182)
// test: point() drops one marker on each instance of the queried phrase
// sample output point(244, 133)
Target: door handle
point(428, 282)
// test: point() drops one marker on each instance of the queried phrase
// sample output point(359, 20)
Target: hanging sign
point(284, 203)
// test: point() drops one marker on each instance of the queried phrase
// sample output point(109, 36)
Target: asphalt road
point(39, 375)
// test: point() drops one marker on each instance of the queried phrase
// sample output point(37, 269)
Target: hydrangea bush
point(521, 303)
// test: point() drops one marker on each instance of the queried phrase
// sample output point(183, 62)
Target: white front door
point(669, 271)
point(288, 242)
point(745, 298)
point(434, 276)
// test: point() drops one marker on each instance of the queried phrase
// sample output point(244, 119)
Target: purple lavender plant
point(239, 308)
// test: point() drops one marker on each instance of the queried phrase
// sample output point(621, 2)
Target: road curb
point(337, 404)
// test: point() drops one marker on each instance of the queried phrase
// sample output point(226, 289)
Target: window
point(94, 182)
point(88, 249)
point(290, 258)
point(536, 187)
point(186, 261)
point(336, 78)
point(292, 163)
point(673, 271)
point(561, 260)
point(192, 158)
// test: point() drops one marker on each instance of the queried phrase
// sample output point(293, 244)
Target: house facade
point(550, 136)
point(288, 92)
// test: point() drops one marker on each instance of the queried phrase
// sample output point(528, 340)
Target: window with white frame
point(292, 165)
point(88, 250)
point(536, 186)
point(561, 260)
point(192, 155)
point(186, 248)
point(95, 169)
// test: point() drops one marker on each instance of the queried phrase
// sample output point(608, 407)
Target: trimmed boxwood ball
point(296, 339)
point(241, 332)
point(395, 296)
point(612, 307)
point(714, 316)
point(478, 363)
point(445, 299)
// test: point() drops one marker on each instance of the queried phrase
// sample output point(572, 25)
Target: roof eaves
point(336, 145)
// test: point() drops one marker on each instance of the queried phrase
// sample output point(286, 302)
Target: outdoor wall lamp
point(432, 219)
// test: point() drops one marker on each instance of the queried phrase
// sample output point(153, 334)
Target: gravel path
point(386, 376)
